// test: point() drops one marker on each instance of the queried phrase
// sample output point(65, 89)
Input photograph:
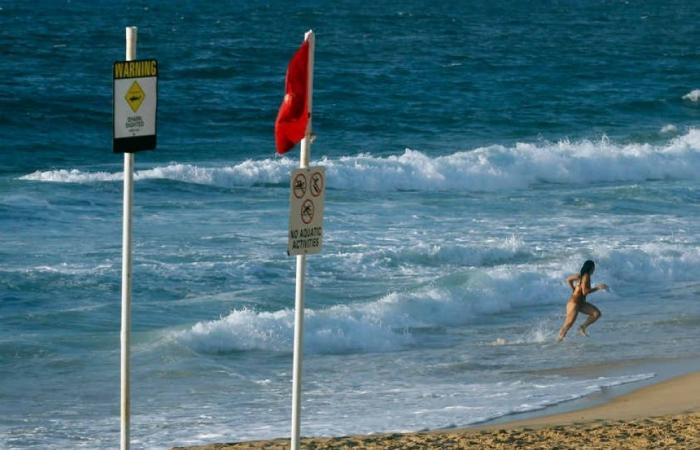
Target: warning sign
point(306, 211)
point(135, 100)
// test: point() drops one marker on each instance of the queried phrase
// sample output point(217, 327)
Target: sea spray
point(493, 168)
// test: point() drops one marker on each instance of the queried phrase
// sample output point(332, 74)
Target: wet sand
point(661, 416)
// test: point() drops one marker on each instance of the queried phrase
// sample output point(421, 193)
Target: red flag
point(293, 116)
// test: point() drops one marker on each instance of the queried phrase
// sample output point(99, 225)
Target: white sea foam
point(437, 254)
point(658, 262)
point(339, 329)
point(528, 397)
point(60, 269)
point(72, 176)
point(244, 174)
point(386, 324)
point(693, 95)
point(483, 169)
point(447, 404)
point(669, 128)
point(540, 333)
point(390, 322)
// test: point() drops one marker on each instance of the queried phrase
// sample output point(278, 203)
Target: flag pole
point(301, 267)
point(131, 33)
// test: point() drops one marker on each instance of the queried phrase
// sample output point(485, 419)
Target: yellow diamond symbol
point(134, 96)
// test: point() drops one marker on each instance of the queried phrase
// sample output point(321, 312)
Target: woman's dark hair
point(587, 267)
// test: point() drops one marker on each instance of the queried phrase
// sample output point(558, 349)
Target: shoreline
point(666, 412)
point(673, 396)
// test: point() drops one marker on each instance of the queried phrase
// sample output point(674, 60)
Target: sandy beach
point(664, 415)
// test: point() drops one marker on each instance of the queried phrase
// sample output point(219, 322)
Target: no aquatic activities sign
point(308, 187)
point(135, 99)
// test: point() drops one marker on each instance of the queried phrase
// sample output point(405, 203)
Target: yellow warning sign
point(134, 96)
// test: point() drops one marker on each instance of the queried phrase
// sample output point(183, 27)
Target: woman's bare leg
point(571, 314)
point(593, 315)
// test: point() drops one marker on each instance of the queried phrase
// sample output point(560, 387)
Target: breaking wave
point(387, 324)
point(490, 168)
point(393, 322)
point(693, 95)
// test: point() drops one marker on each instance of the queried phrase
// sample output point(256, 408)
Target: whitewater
point(475, 157)
point(481, 169)
point(462, 282)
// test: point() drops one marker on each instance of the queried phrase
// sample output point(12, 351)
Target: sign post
point(301, 257)
point(134, 128)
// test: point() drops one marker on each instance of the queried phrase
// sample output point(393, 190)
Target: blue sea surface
point(476, 154)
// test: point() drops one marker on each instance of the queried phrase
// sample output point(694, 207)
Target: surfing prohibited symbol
point(306, 200)
point(316, 184)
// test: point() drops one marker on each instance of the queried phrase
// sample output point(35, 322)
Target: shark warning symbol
point(135, 96)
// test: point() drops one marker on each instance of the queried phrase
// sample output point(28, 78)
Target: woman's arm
point(587, 289)
point(571, 279)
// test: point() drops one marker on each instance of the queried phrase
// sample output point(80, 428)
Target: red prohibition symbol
point(307, 211)
point(316, 184)
point(299, 185)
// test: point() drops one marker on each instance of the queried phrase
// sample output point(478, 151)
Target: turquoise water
point(476, 154)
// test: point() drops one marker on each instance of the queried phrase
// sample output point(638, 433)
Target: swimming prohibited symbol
point(316, 184)
point(307, 211)
point(299, 185)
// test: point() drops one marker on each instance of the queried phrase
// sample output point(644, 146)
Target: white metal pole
point(301, 268)
point(126, 270)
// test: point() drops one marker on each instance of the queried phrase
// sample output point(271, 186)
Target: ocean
point(476, 154)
